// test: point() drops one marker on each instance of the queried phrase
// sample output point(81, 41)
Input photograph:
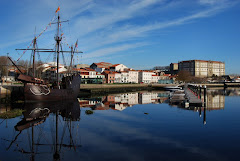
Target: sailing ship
point(36, 89)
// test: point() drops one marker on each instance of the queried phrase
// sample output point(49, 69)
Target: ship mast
point(58, 39)
point(34, 53)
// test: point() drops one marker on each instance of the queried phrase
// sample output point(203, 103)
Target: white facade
point(92, 74)
point(145, 76)
point(118, 68)
point(155, 78)
point(118, 78)
point(133, 76)
point(124, 77)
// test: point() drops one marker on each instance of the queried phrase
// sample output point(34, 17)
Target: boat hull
point(38, 92)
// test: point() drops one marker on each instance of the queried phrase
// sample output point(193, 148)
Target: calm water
point(134, 126)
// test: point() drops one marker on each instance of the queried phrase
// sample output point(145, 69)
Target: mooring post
point(204, 116)
point(205, 94)
point(204, 112)
point(200, 91)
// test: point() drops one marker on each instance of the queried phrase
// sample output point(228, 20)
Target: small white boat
point(173, 88)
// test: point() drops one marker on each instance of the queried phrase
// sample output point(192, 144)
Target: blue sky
point(138, 33)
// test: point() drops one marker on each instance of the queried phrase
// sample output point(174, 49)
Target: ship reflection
point(31, 129)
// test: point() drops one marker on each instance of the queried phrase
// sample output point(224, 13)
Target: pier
point(189, 96)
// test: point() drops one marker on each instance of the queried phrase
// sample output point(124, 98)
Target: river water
point(131, 127)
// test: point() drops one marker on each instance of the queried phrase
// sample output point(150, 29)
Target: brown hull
point(38, 92)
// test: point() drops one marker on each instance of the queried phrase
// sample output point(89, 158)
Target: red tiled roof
point(89, 69)
point(103, 65)
point(115, 65)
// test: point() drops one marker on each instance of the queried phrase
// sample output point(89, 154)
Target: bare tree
point(184, 76)
point(4, 63)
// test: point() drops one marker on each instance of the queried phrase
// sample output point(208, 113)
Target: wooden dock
point(186, 97)
point(192, 98)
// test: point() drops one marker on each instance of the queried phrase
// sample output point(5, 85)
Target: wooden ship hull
point(40, 92)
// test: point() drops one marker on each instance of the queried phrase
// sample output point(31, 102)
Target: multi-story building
point(109, 76)
point(124, 77)
point(155, 78)
point(117, 77)
point(132, 76)
point(145, 76)
point(202, 68)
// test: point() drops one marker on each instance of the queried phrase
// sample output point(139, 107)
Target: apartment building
point(145, 76)
point(202, 68)
point(132, 76)
point(124, 77)
point(155, 78)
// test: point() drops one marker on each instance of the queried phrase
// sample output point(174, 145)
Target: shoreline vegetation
point(11, 114)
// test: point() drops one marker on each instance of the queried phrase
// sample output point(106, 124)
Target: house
point(118, 67)
point(109, 76)
point(90, 76)
point(124, 77)
point(145, 76)
point(132, 76)
point(155, 78)
point(100, 67)
point(117, 77)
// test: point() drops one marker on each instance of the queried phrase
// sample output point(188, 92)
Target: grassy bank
point(11, 114)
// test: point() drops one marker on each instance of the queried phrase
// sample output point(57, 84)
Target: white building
point(124, 77)
point(117, 77)
point(145, 76)
point(132, 76)
point(155, 78)
point(118, 67)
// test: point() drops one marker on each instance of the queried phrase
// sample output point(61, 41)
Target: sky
point(140, 34)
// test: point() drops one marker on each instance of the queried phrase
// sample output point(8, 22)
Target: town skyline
point(140, 34)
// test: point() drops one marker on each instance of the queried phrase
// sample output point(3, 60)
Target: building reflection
point(215, 100)
point(122, 101)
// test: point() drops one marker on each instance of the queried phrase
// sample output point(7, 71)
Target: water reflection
point(215, 100)
point(53, 131)
point(124, 100)
point(30, 129)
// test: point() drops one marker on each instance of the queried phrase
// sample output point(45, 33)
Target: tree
point(4, 63)
point(184, 76)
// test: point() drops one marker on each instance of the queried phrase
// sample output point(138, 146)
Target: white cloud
point(112, 50)
point(211, 2)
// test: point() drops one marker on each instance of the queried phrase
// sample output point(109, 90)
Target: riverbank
point(119, 88)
